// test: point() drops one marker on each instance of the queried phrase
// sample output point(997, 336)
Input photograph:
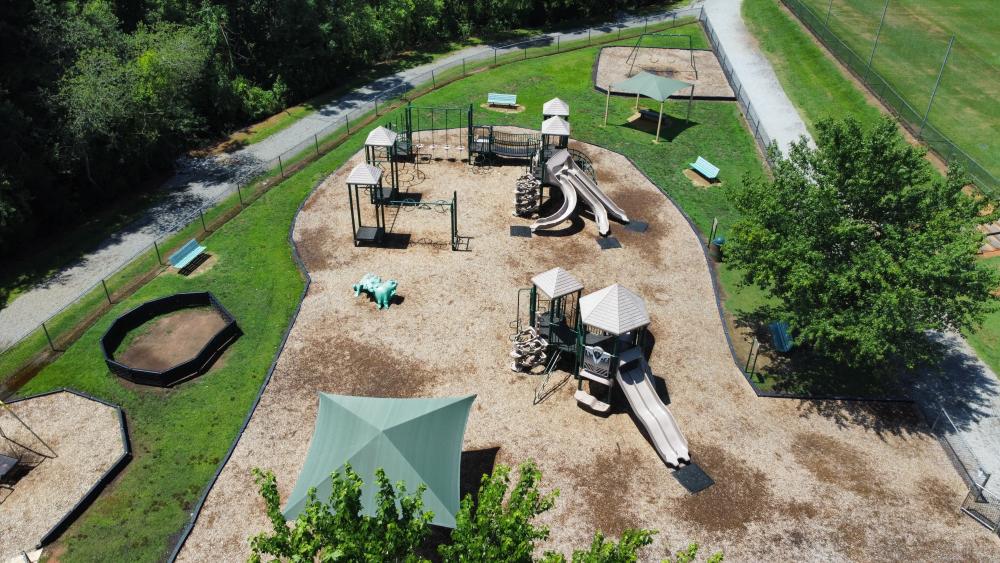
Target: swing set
point(426, 132)
point(633, 55)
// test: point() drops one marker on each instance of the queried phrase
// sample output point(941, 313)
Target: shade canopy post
point(659, 122)
point(607, 102)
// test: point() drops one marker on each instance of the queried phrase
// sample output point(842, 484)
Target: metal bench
point(779, 336)
point(187, 253)
point(705, 168)
point(508, 100)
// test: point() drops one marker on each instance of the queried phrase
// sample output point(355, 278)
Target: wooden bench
point(186, 254)
point(779, 336)
point(507, 100)
point(705, 168)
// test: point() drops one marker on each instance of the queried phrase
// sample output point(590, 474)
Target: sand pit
point(709, 80)
point(86, 438)
point(795, 480)
point(171, 339)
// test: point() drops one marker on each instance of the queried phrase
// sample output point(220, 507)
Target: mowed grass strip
point(180, 435)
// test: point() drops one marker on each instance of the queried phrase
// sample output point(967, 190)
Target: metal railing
point(247, 176)
point(982, 504)
point(916, 116)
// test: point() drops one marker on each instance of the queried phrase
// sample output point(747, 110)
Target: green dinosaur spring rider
point(381, 291)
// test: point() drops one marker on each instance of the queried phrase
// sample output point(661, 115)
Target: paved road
point(200, 182)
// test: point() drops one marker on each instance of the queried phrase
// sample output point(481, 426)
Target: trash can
point(715, 248)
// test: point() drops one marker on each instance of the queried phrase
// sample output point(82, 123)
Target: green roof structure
point(417, 441)
point(655, 87)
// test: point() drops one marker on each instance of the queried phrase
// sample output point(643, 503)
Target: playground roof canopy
point(381, 137)
point(614, 309)
point(555, 106)
point(556, 283)
point(365, 175)
point(414, 440)
point(555, 125)
point(652, 86)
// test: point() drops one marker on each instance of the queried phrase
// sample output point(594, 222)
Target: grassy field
point(911, 47)
point(180, 435)
point(813, 81)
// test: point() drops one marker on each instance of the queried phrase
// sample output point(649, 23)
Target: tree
point(337, 531)
point(863, 246)
point(492, 530)
point(689, 554)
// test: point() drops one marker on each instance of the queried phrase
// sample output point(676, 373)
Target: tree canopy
point(863, 245)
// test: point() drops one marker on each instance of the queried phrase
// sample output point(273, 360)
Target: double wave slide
point(571, 180)
point(636, 380)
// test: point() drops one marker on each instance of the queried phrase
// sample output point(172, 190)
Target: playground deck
point(794, 479)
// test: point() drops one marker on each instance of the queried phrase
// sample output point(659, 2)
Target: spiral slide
point(572, 181)
point(636, 380)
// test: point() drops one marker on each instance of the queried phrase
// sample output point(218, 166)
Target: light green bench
point(186, 254)
point(705, 168)
point(508, 100)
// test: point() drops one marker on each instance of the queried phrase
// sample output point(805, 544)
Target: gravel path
point(201, 182)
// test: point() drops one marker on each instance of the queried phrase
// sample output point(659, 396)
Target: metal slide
point(564, 172)
point(636, 380)
point(564, 211)
point(566, 176)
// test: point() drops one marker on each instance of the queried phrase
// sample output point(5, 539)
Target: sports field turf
point(911, 47)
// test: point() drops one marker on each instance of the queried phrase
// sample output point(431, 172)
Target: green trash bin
point(715, 248)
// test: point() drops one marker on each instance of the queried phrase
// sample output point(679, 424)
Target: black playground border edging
point(91, 495)
point(149, 310)
point(604, 91)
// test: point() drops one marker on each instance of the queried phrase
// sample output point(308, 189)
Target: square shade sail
point(414, 440)
point(649, 85)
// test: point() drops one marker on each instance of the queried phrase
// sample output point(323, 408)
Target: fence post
point(433, 80)
point(557, 43)
point(157, 248)
point(49, 338)
point(281, 165)
point(375, 99)
point(588, 36)
point(525, 52)
point(315, 143)
point(348, 122)
point(494, 57)
point(829, 10)
point(645, 23)
point(463, 66)
point(203, 226)
point(936, 84)
point(878, 32)
point(106, 292)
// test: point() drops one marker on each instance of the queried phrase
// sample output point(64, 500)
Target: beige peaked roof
point(555, 106)
point(555, 125)
point(556, 283)
point(614, 309)
point(365, 175)
point(381, 137)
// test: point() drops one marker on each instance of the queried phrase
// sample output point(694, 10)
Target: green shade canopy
point(414, 440)
point(652, 86)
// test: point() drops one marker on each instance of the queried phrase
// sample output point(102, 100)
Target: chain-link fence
point(982, 504)
point(753, 119)
point(242, 177)
point(939, 87)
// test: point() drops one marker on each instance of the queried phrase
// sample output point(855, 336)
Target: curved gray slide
point(591, 185)
point(636, 380)
point(564, 211)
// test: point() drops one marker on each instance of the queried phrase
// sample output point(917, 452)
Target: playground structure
point(381, 291)
point(603, 332)
point(184, 370)
point(385, 148)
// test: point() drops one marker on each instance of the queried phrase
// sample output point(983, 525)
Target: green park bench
point(186, 254)
point(508, 100)
point(705, 168)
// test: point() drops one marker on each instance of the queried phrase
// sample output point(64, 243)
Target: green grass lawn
point(813, 82)
point(911, 47)
point(180, 435)
point(985, 340)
